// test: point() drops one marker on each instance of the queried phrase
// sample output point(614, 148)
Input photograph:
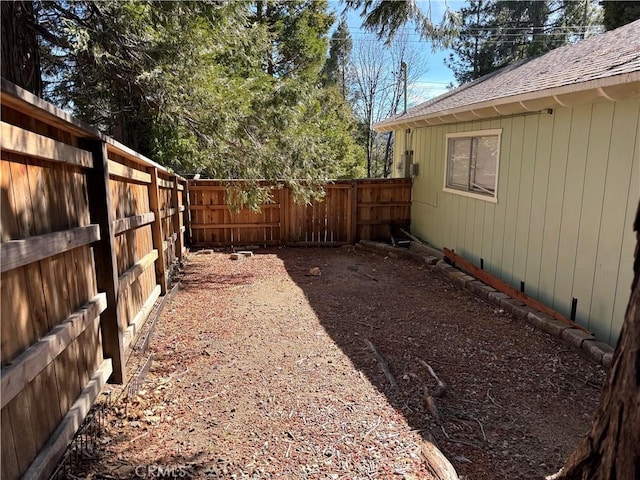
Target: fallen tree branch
point(369, 276)
point(492, 400)
point(455, 440)
point(484, 435)
point(439, 465)
point(412, 237)
point(441, 389)
point(431, 405)
point(383, 364)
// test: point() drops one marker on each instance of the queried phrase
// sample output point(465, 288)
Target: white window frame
point(497, 132)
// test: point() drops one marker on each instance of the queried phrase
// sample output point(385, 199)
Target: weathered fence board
point(17, 253)
point(351, 210)
point(135, 221)
point(118, 170)
point(19, 140)
point(38, 356)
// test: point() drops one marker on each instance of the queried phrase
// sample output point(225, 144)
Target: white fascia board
point(515, 102)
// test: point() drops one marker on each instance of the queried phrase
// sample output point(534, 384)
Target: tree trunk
point(611, 450)
point(388, 156)
point(20, 51)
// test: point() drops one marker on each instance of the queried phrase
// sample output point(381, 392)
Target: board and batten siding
point(568, 188)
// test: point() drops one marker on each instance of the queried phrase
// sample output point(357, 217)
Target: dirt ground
point(261, 370)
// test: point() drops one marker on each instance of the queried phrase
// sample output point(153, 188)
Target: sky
point(438, 76)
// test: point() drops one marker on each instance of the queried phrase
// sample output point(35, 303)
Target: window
point(472, 164)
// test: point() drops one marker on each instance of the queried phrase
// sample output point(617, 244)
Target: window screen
point(472, 163)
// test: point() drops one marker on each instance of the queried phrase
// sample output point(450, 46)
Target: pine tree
point(297, 30)
point(204, 87)
point(491, 35)
point(473, 56)
point(335, 70)
point(618, 13)
point(20, 51)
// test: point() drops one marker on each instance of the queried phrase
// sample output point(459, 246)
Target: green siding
point(525, 192)
point(615, 219)
point(495, 263)
point(540, 184)
point(555, 198)
point(568, 187)
point(512, 197)
point(625, 272)
point(592, 203)
point(571, 206)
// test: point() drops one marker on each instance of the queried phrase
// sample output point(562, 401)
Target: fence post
point(348, 214)
point(156, 229)
point(102, 213)
point(284, 214)
point(186, 220)
point(354, 212)
point(175, 204)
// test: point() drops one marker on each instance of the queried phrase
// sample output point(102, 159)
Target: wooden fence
point(351, 210)
point(89, 232)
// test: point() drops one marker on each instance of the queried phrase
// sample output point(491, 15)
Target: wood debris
point(259, 372)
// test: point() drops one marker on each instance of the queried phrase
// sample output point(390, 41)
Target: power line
point(490, 29)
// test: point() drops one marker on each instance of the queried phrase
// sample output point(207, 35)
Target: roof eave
point(613, 88)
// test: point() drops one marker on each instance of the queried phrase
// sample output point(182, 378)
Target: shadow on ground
point(516, 402)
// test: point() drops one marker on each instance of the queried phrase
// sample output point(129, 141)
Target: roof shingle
point(610, 54)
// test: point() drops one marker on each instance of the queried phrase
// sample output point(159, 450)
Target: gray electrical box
point(406, 161)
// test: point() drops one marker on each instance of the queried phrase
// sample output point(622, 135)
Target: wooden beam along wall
point(156, 229)
point(162, 183)
point(119, 170)
point(137, 269)
point(137, 322)
point(103, 213)
point(169, 212)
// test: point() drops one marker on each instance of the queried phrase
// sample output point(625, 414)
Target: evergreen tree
point(335, 70)
point(20, 51)
point(385, 18)
point(618, 13)
point(493, 34)
point(204, 87)
point(473, 56)
point(297, 31)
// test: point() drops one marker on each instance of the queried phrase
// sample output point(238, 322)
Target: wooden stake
point(175, 218)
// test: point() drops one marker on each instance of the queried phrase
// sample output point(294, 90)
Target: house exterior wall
point(568, 188)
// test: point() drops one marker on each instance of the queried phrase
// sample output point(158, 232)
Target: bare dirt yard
point(261, 370)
